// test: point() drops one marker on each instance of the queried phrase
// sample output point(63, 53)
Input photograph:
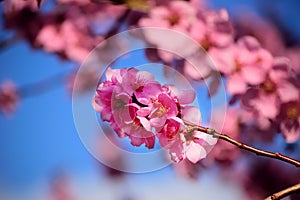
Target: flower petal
point(186, 96)
point(195, 152)
point(191, 114)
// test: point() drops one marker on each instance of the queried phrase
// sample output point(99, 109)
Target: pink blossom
point(275, 90)
point(140, 108)
point(177, 15)
point(180, 141)
point(212, 30)
point(244, 63)
point(165, 107)
point(65, 39)
point(9, 97)
point(141, 84)
point(289, 119)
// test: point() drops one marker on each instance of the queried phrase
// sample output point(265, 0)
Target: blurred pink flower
point(177, 15)
point(275, 90)
point(9, 97)
point(244, 63)
point(289, 120)
point(64, 38)
point(212, 29)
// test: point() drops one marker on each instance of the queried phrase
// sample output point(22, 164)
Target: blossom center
point(205, 43)
point(238, 66)
point(292, 112)
point(173, 19)
point(268, 86)
point(161, 111)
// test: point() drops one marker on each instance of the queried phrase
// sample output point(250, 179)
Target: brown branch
point(258, 152)
point(286, 192)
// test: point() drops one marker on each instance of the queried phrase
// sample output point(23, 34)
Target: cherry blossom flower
point(64, 38)
point(212, 29)
point(289, 119)
point(244, 63)
point(266, 99)
point(138, 107)
point(177, 15)
point(9, 97)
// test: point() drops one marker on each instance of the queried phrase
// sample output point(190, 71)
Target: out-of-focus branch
point(118, 23)
point(43, 86)
point(240, 145)
point(286, 192)
point(7, 42)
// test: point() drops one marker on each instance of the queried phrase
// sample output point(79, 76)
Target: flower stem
point(258, 152)
point(286, 192)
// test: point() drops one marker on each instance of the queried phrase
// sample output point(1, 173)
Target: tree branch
point(286, 192)
point(259, 152)
point(240, 145)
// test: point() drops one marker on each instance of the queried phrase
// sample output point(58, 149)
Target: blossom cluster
point(265, 86)
point(138, 107)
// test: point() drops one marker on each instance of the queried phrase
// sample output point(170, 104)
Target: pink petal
point(157, 122)
point(198, 64)
point(150, 141)
point(96, 104)
point(136, 141)
point(186, 96)
point(176, 151)
point(143, 112)
point(223, 59)
point(287, 91)
point(253, 74)
point(291, 134)
point(145, 122)
point(145, 76)
point(207, 138)
point(191, 114)
point(195, 152)
point(266, 105)
point(236, 84)
point(110, 73)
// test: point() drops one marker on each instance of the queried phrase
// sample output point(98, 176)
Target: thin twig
point(118, 23)
point(258, 152)
point(286, 192)
point(279, 195)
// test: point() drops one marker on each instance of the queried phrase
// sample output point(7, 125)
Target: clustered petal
point(140, 108)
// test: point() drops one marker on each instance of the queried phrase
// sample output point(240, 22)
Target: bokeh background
point(41, 155)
